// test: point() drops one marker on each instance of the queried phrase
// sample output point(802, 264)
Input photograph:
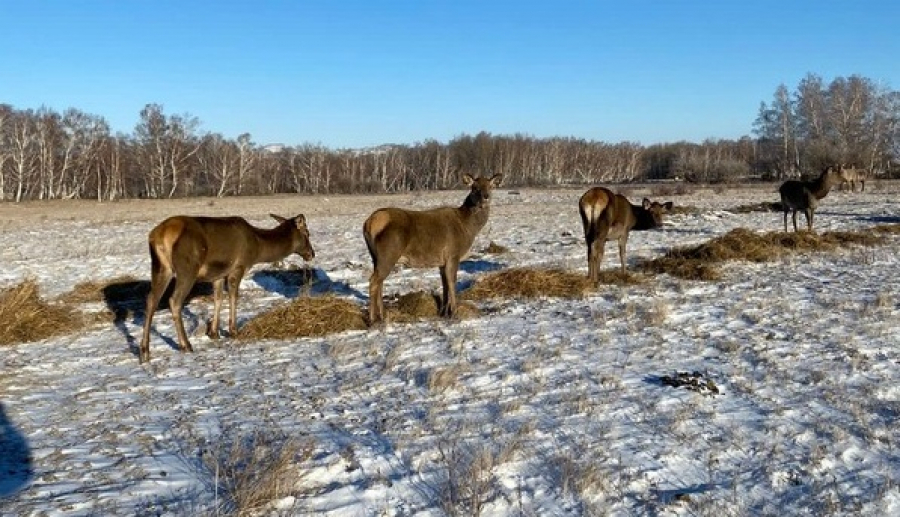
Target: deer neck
point(473, 215)
point(274, 244)
point(821, 185)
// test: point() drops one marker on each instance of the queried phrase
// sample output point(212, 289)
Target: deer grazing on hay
point(213, 249)
point(850, 176)
point(805, 195)
point(606, 216)
point(440, 237)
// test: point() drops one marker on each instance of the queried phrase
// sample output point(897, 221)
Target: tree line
point(46, 154)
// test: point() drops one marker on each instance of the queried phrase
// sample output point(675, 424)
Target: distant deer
point(213, 249)
point(805, 195)
point(440, 237)
point(606, 216)
point(850, 176)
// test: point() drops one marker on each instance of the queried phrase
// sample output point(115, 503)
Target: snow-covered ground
point(539, 407)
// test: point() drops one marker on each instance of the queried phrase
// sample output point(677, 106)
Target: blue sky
point(361, 73)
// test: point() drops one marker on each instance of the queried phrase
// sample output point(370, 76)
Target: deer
point(606, 216)
point(213, 249)
point(850, 176)
point(440, 237)
point(804, 196)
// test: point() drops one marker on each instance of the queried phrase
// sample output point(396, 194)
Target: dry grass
point(25, 316)
point(250, 471)
point(698, 262)
point(306, 316)
point(525, 282)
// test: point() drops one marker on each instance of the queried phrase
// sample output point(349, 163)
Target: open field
point(774, 390)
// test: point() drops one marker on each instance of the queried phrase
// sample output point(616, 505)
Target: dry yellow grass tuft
point(25, 316)
point(306, 316)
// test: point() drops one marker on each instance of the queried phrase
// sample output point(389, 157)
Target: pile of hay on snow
point(306, 316)
point(421, 305)
point(698, 262)
point(25, 316)
point(527, 282)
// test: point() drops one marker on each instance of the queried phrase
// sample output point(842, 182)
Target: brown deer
point(606, 216)
point(440, 237)
point(805, 195)
point(213, 249)
point(850, 176)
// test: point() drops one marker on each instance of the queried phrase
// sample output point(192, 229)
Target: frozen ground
point(548, 407)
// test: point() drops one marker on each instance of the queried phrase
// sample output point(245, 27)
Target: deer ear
point(300, 221)
point(468, 179)
point(646, 204)
point(668, 205)
point(278, 218)
point(496, 179)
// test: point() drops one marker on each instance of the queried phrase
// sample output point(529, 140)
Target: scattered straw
point(305, 317)
point(25, 316)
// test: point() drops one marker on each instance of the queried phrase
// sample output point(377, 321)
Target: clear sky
point(367, 72)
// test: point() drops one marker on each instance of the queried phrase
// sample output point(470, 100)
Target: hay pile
point(305, 317)
point(25, 316)
point(698, 262)
point(763, 206)
point(421, 305)
point(527, 282)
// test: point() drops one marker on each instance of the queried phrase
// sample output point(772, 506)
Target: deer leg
point(234, 283)
point(159, 281)
point(218, 286)
point(183, 285)
point(809, 218)
point(794, 218)
point(588, 240)
point(376, 290)
point(448, 282)
point(785, 220)
point(597, 250)
point(623, 240)
point(383, 261)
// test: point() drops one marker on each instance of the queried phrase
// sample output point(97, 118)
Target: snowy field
point(546, 407)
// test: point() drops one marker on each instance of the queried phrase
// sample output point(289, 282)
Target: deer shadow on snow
point(127, 300)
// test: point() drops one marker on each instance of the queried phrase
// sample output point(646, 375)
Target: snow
point(539, 407)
